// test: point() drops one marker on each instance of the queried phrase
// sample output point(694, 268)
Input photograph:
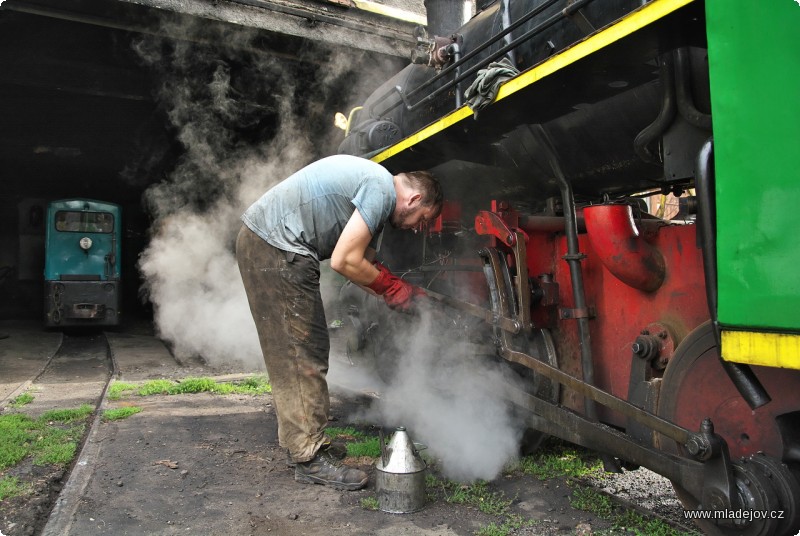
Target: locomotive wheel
point(695, 386)
point(787, 488)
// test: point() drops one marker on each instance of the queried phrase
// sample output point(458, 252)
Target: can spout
point(400, 456)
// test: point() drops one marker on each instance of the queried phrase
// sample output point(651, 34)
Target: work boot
point(335, 449)
point(326, 470)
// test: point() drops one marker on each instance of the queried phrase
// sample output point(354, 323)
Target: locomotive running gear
point(397, 294)
point(306, 213)
point(326, 470)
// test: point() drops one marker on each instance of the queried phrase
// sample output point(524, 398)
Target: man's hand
point(397, 294)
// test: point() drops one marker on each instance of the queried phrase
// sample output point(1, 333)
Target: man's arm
point(350, 256)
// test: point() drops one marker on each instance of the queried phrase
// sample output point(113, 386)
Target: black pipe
point(683, 92)
point(642, 142)
point(455, 51)
point(574, 258)
point(741, 375)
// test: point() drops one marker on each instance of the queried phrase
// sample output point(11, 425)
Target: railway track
point(76, 373)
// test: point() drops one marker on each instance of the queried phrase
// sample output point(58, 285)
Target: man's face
point(411, 217)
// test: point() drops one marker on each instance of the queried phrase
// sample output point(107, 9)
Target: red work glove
point(397, 294)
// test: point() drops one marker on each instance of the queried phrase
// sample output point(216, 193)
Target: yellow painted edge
point(759, 348)
point(624, 27)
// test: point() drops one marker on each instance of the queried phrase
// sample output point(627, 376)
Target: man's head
point(419, 199)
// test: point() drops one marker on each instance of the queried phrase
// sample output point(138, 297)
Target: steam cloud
point(211, 97)
point(224, 105)
point(445, 391)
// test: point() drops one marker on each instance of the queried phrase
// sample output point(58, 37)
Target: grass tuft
point(508, 527)
point(67, 415)
point(370, 447)
point(477, 495)
point(559, 459)
point(117, 414)
point(358, 443)
point(21, 400)
point(252, 385)
point(10, 486)
point(369, 503)
point(623, 520)
point(51, 439)
point(118, 389)
point(155, 387)
point(591, 500)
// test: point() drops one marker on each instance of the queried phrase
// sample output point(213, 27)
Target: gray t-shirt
point(306, 213)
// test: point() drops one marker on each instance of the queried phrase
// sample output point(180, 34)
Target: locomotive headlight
point(85, 243)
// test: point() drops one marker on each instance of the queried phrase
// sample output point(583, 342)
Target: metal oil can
point(400, 479)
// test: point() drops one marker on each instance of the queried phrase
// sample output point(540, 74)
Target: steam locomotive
point(669, 342)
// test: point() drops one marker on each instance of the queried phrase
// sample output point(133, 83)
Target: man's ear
point(415, 199)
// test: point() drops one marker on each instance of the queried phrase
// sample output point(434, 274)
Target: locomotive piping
point(622, 250)
point(683, 94)
point(629, 24)
point(574, 258)
point(641, 144)
point(741, 375)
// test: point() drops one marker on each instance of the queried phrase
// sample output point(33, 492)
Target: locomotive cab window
point(84, 222)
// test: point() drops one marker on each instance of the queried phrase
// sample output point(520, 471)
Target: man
point(334, 209)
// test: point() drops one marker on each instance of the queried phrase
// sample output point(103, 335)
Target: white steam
point(190, 271)
point(445, 390)
point(448, 398)
point(438, 391)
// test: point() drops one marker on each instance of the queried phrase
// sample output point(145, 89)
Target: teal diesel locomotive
point(82, 264)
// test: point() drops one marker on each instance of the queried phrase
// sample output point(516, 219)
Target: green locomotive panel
point(754, 62)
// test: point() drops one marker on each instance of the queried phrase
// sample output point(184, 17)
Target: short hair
point(428, 186)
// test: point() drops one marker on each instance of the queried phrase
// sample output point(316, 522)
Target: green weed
point(21, 400)
point(642, 526)
point(118, 389)
point(477, 495)
point(155, 387)
point(194, 385)
point(358, 443)
point(253, 385)
point(10, 486)
point(117, 414)
point(591, 500)
point(51, 439)
point(68, 415)
point(622, 519)
point(557, 458)
point(369, 503)
point(511, 524)
point(370, 447)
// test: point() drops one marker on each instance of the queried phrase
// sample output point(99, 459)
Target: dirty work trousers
point(283, 292)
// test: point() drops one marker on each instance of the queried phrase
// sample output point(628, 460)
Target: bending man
point(334, 209)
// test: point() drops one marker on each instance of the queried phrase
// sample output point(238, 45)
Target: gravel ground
point(646, 489)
